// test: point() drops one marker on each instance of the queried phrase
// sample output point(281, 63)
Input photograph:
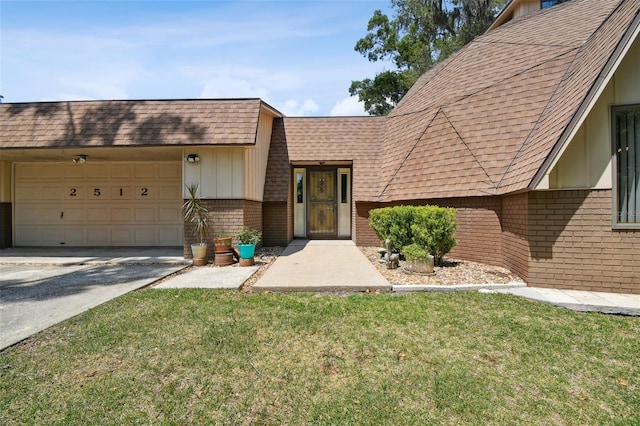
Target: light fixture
point(192, 158)
point(80, 159)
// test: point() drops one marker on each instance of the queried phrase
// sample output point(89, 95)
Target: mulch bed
point(454, 272)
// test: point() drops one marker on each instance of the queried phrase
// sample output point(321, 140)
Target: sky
point(296, 55)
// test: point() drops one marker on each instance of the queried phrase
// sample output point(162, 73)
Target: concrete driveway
point(42, 287)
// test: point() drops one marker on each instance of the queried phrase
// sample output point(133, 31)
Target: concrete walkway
point(582, 301)
point(322, 266)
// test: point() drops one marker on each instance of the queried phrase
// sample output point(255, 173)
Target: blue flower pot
point(247, 250)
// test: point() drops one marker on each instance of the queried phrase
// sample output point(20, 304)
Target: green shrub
point(430, 227)
point(415, 251)
point(434, 228)
point(393, 223)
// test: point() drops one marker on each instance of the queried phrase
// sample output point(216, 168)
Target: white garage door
point(98, 204)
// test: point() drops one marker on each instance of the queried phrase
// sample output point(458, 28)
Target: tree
point(422, 33)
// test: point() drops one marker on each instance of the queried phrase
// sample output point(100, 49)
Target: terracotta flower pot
point(223, 244)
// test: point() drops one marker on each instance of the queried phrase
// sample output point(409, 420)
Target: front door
point(322, 204)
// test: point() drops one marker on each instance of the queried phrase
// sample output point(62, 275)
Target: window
point(626, 146)
point(300, 188)
point(548, 3)
point(343, 188)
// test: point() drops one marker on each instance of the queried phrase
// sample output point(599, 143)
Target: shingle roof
point(329, 139)
point(485, 120)
point(129, 123)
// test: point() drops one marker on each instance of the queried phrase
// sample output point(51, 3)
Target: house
point(532, 132)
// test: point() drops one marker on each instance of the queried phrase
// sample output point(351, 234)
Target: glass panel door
point(322, 204)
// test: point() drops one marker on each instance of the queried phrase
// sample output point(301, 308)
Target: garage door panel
point(74, 192)
point(26, 172)
point(73, 214)
point(73, 173)
point(121, 236)
point(169, 171)
point(28, 193)
point(74, 236)
point(98, 236)
point(144, 171)
point(99, 204)
point(145, 192)
point(119, 171)
point(170, 235)
point(146, 214)
point(144, 236)
point(49, 215)
point(97, 215)
point(26, 214)
point(97, 171)
point(169, 192)
point(169, 214)
point(120, 192)
point(53, 172)
point(51, 193)
point(121, 214)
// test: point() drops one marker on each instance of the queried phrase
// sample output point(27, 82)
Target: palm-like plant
point(196, 213)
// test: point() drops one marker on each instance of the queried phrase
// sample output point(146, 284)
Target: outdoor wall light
point(80, 159)
point(192, 158)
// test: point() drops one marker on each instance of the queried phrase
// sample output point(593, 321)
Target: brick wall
point(478, 232)
point(276, 224)
point(364, 235)
point(252, 214)
point(573, 245)
point(226, 217)
point(515, 232)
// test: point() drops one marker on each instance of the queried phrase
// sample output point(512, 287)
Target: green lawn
point(201, 356)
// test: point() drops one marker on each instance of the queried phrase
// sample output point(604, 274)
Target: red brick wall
point(364, 235)
point(226, 217)
point(253, 214)
point(478, 233)
point(574, 247)
point(276, 224)
point(515, 233)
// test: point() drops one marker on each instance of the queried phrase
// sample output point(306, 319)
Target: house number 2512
point(73, 192)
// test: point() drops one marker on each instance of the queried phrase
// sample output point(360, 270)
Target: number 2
point(73, 192)
point(144, 192)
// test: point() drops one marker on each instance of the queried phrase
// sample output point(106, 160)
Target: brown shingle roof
point(337, 139)
point(485, 120)
point(129, 123)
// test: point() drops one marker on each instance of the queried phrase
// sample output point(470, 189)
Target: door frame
point(342, 211)
point(325, 235)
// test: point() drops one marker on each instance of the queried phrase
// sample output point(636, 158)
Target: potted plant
point(222, 243)
point(247, 240)
point(196, 214)
point(418, 259)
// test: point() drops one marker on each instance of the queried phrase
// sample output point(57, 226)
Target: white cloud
point(348, 106)
point(292, 108)
point(224, 86)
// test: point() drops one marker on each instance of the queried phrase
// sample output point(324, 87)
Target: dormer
point(519, 8)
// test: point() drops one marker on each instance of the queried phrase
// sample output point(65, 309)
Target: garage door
point(98, 204)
